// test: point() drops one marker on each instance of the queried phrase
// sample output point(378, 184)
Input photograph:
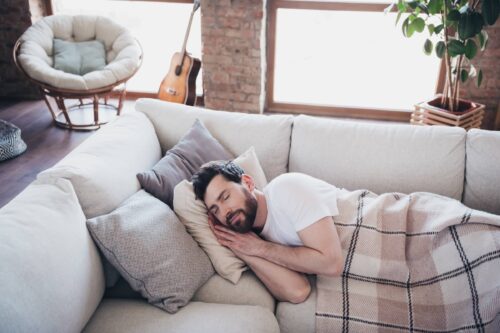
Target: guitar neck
point(183, 52)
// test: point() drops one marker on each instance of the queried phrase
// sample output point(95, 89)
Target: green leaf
point(398, 17)
point(440, 48)
point(428, 47)
point(430, 27)
point(467, 26)
point(401, 6)
point(453, 15)
point(464, 75)
point(413, 4)
point(455, 48)
point(479, 78)
point(490, 10)
point(418, 24)
point(470, 49)
point(483, 40)
point(478, 22)
point(434, 6)
point(438, 29)
point(404, 27)
point(423, 8)
point(464, 9)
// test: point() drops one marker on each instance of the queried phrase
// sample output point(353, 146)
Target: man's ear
point(247, 180)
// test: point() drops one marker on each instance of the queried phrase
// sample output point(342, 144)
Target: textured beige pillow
point(193, 214)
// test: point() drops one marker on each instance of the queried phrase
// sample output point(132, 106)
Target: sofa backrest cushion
point(103, 168)
point(482, 171)
point(270, 135)
point(51, 277)
point(380, 157)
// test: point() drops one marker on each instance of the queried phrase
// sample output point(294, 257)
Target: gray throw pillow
point(194, 149)
point(79, 58)
point(145, 241)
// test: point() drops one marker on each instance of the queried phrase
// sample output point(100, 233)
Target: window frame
point(327, 110)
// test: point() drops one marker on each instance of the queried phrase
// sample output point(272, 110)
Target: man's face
point(231, 203)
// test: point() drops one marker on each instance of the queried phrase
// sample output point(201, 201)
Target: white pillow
point(193, 214)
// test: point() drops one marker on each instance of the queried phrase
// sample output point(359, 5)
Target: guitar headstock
point(196, 5)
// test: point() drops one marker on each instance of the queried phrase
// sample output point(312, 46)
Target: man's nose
point(226, 212)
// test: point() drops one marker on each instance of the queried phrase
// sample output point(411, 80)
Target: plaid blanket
point(418, 263)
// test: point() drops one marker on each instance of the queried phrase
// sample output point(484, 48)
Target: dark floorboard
point(47, 144)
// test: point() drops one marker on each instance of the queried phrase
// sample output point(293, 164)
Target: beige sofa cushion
point(380, 157)
point(482, 171)
point(122, 316)
point(270, 135)
point(248, 291)
point(103, 168)
point(301, 317)
point(51, 277)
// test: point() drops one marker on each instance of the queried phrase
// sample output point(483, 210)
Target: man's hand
point(241, 244)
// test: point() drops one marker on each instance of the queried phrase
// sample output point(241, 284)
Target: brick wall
point(15, 17)
point(232, 54)
point(489, 92)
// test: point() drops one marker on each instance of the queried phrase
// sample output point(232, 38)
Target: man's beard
point(249, 213)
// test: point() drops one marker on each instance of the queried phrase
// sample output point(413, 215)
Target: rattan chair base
point(84, 116)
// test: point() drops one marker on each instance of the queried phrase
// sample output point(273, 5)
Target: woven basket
point(11, 144)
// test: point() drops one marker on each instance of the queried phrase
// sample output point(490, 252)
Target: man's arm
point(321, 253)
point(285, 284)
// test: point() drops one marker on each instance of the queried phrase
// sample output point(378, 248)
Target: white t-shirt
point(294, 202)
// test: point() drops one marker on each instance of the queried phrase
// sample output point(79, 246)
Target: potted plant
point(456, 33)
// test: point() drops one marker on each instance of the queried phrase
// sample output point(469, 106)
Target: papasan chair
point(80, 58)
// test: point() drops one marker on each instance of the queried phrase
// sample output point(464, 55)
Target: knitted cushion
point(11, 144)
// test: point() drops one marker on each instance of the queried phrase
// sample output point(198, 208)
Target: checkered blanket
point(418, 263)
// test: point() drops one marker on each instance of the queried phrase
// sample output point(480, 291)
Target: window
point(346, 59)
point(159, 26)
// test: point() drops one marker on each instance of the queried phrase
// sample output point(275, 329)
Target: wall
point(15, 18)
point(233, 57)
point(489, 91)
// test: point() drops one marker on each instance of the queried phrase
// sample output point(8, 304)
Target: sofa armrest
point(51, 277)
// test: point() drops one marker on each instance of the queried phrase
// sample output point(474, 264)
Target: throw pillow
point(194, 149)
point(144, 240)
point(193, 214)
point(79, 58)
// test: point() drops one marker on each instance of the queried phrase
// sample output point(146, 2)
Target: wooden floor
point(47, 144)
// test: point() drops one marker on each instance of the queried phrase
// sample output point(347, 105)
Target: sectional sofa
point(51, 274)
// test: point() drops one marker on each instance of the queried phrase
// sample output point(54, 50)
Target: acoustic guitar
point(179, 85)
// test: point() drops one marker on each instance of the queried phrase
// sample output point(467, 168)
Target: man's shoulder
point(289, 183)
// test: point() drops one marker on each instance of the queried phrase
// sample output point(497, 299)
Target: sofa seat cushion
point(270, 135)
point(301, 317)
point(380, 157)
point(51, 277)
point(482, 171)
point(103, 168)
point(122, 316)
point(248, 291)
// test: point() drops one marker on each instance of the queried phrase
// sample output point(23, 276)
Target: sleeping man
point(282, 232)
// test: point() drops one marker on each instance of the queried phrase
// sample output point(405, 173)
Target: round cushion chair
point(79, 57)
point(11, 144)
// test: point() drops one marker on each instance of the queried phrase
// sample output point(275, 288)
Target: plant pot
point(429, 113)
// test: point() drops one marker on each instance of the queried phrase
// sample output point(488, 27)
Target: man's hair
point(208, 171)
